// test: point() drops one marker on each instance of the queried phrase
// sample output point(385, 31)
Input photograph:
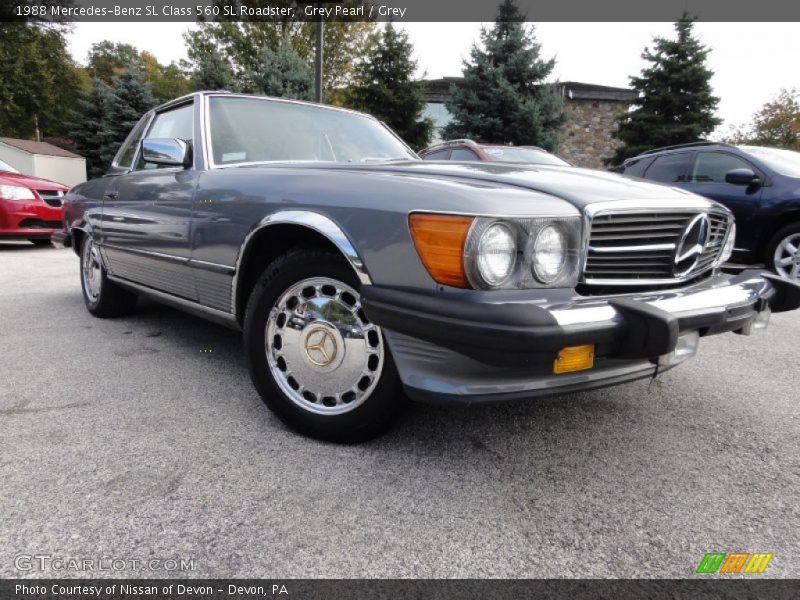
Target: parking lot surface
point(142, 438)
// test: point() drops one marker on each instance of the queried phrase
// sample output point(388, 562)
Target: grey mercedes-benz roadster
point(361, 275)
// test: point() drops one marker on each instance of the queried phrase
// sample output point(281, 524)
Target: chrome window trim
point(206, 130)
point(176, 105)
point(148, 124)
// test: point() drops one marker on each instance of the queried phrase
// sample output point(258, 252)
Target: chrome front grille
point(52, 197)
point(629, 248)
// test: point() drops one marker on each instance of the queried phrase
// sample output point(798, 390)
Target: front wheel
point(784, 252)
point(314, 357)
point(103, 298)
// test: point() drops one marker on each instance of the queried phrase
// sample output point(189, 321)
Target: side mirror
point(742, 177)
point(169, 152)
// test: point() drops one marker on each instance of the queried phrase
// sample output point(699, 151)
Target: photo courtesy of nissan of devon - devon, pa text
point(360, 274)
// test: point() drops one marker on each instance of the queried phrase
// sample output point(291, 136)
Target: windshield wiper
point(378, 159)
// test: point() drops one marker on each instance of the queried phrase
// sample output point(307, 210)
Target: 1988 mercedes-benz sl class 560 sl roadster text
point(361, 275)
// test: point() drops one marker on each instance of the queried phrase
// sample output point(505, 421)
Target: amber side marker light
point(574, 358)
point(439, 240)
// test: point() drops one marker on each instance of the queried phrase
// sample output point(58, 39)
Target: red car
point(468, 150)
point(30, 208)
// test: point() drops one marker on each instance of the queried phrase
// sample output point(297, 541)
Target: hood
point(580, 187)
point(33, 183)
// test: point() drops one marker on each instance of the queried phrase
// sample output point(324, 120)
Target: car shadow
point(490, 430)
point(10, 246)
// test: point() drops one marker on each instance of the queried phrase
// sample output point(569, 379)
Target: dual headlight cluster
point(498, 253)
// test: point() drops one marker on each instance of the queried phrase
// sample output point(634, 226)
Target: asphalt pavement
point(143, 439)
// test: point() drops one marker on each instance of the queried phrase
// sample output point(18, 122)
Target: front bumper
point(470, 341)
point(28, 219)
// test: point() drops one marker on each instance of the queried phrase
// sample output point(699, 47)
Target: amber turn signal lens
point(439, 240)
point(574, 358)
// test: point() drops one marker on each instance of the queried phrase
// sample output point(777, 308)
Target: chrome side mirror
point(170, 152)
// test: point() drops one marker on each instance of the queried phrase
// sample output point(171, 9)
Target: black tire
point(769, 257)
point(369, 418)
point(111, 300)
point(40, 242)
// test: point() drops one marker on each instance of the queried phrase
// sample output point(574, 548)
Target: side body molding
point(310, 220)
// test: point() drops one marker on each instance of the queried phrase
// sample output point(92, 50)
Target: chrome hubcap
point(321, 350)
point(787, 257)
point(91, 271)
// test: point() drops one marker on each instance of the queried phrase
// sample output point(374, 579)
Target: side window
point(124, 158)
point(462, 154)
point(670, 168)
point(438, 155)
point(711, 167)
point(177, 123)
point(637, 166)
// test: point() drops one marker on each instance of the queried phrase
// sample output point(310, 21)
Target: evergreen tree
point(88, 125)
point(281, 73)
point(676, 104)
point(504, 98)
point(128, 99)
point(213, 72)
point(384, 87)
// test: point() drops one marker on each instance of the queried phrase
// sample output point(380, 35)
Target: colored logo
point(734, 562)
point(320, 347)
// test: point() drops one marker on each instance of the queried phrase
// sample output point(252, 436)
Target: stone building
point(586, 138)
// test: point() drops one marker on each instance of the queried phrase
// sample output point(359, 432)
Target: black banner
point(342, 589)
point(395, 10)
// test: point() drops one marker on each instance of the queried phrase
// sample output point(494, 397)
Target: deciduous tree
point(38, 80)
point(241, 44)
point(776, 124)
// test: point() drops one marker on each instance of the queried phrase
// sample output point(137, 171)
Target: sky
point(751, 61)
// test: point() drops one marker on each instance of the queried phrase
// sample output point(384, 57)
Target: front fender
point(317, 222)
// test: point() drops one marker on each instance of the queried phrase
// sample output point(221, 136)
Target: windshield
point(524, 155)
point(784, 162)
point(247, 130)
point(4, 166)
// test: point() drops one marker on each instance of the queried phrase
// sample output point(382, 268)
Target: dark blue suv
point(760, 185)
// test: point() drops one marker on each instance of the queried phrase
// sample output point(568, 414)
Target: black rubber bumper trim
point(61, 238)
point(649, 331)
point(510, 334)
point(515, 334)
point(787, 293)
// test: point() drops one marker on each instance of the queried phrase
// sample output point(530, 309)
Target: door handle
point(111, 195)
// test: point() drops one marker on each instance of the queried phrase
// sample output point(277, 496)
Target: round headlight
point(497, 253)
point(549, 254)
point(727, 249)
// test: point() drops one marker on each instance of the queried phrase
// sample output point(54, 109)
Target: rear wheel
point(102, 296)
point(40, 241)
point(314, 357)
point(784, 252)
